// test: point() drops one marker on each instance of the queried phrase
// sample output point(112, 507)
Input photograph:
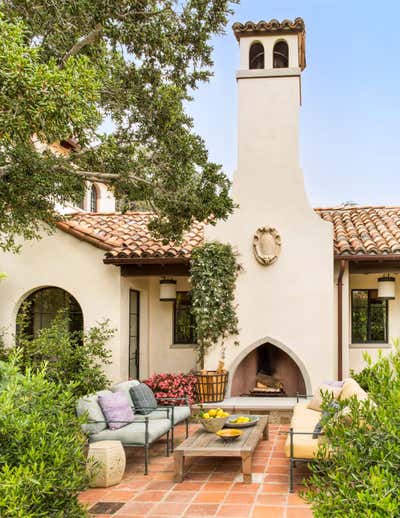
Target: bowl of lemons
point(213, 419)
point(241, 421)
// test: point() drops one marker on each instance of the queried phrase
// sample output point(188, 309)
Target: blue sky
point(350, 118)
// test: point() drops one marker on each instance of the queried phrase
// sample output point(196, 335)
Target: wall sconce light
point(167, 290)
point(386, 287)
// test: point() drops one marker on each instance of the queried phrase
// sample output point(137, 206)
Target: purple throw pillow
point(116, 409)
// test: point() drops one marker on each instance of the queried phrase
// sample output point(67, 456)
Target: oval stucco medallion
point(266, 245)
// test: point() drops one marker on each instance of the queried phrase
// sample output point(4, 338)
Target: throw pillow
point(116, 409)
point(316, 402)
point(143, 398)
point(89, 405)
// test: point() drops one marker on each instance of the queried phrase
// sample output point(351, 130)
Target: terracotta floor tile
point(231, 511)
point(217, 486)
point(135, 509)
point(299, 512)
point(275, 488)
point(294, 499)
point(150, 496)
point(240, 487)
point(188, 486)
point(268, 512)
point(168, 508)
point(201, 510)
point(271, 499)
point(161, 485)
point(120, 495)
point(180, 496)
point(240, 498)
point(209, 497)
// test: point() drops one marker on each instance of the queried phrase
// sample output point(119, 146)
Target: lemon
point(212, 412)
point(206, 416)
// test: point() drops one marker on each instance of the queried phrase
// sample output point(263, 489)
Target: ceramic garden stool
point(108, 458)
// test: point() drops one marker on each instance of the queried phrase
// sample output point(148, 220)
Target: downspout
point(342, 268)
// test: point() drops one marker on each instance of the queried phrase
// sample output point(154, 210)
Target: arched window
point(45, 303)
point(93, 199)
point(257, 56)
point(281, 55)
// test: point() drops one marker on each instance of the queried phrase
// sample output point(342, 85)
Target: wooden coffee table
point(205, 444)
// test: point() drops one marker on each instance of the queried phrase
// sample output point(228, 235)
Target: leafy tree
point(67, 67)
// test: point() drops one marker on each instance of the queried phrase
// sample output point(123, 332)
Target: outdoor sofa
point(143, 431)
point(304, 438)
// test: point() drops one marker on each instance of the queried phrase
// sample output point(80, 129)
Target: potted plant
point(214, 270)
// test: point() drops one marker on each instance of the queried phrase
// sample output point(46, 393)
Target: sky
point(350, 115)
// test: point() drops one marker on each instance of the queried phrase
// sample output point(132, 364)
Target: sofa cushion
point(143, 398)
point(134, 433)
point(304, 446)
point(352, 388)
point(316, 402)
point(116, 409)
point(89, 404)
point(125, 386)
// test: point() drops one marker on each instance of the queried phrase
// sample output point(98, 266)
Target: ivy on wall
point(214, 269)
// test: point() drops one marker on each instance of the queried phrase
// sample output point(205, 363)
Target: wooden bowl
point(229, 434)
point(213, 424)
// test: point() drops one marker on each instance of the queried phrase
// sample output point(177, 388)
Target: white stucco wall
point(356, 351)
point(291, 301)
point(63, 261)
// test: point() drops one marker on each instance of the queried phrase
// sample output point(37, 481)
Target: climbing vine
point(214, 269)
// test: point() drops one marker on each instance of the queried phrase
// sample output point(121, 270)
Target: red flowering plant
point(173, 386)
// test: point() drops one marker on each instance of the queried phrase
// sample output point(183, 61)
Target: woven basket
point(211, 386)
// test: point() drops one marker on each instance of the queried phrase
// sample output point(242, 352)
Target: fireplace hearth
point(267, 371)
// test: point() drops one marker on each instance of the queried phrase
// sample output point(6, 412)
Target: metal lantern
point(386, 287)
point(167, 290)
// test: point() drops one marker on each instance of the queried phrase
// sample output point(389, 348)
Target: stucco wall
point(77, 267)
point(291, 301)
point(356, 351)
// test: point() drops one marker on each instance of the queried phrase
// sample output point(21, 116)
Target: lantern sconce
point(167, 290)
point(386, 287)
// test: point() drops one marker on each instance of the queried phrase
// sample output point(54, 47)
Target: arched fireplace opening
point(267, 371)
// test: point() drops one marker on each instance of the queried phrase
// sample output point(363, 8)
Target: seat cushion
point(125, 386)
point(89, 404)
point(352, 388)
point(181, 413)
point(134, 433)
point(316, 401)
point(143, 398)
point(304, 446)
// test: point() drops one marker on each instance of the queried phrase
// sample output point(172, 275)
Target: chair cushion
point(143, 398)
point(116, 409)
point(352, 388)
point(134, 433)
point(90, 405)
point(316, 402)
point(125, 386)
point(304, 446)
point(181, 413)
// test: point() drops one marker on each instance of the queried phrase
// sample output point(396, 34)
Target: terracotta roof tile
point(358, 230)
point(373, 231)
point(127, 236)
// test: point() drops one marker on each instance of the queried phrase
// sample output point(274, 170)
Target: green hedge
point(360, 477)
point(42, 460)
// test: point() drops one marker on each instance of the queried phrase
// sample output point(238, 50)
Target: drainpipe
point(342, 268)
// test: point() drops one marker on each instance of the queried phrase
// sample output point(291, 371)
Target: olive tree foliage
point(66, 68)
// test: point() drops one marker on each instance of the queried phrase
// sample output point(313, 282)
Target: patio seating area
point(212, 487)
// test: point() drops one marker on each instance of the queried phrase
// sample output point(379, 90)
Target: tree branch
point(83, 42)
point(101, 177)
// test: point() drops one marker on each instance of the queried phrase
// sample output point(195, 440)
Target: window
point(134, 352)
point(369, 317)
point(281, 55)
point(256, 58)
point(45, 303)
point(184, 325)
point(93, 199)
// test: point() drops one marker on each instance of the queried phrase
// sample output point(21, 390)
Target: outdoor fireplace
point(267, 371)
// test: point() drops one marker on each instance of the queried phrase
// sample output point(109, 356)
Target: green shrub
point(42, 461)
point(360, 477)
point(70, 356)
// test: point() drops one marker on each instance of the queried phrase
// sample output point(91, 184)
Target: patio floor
point(210, 489)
